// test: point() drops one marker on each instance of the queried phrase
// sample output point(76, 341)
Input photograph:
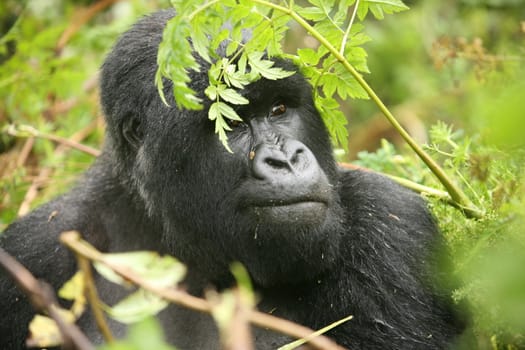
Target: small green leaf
point(231, 48)
point(311, 13)
point(377, 11)
point(308, 56)
point(200, 41)
point(334, 119)
point(241, 64)
point(228, 112)
point(238, 80)
point(137, 306)
point(232, 96)
point(214, 73)
point(265, 67)
point(213, 111)
point(211, 92)
point(362, 10)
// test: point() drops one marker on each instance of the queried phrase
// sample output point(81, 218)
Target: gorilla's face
point(270, 204)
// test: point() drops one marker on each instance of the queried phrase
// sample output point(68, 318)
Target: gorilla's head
point(271, 204)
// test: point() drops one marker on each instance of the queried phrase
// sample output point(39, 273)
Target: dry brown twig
point(46, 172)
point(42, 297)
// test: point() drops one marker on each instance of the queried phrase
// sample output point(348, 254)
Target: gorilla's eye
point(278, 109)
point(234, 123)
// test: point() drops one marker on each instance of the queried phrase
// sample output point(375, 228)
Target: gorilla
point(320, 243)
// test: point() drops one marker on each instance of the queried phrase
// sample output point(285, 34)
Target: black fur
point(320, 243)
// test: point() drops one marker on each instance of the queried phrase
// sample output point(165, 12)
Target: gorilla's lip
point(301, 212)
point(287, 202)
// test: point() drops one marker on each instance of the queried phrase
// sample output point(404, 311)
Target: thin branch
point(94, 300)
point(46, 172)
point(74, 242)
point(29, 131)
point(42, 297)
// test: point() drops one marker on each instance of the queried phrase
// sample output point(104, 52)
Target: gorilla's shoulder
point(364, 191)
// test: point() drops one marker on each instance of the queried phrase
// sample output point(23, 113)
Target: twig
point(24, 153)
point(29, 131)
point(94, 300)
point(74, 242)
point(32, 192)
point(46, 172)
point(42, 298)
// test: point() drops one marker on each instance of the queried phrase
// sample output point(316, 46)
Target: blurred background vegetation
point(451, 70)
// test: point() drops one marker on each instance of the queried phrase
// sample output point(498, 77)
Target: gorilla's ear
point(132, 131)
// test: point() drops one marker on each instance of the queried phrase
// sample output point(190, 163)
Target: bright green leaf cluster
point(208, 27)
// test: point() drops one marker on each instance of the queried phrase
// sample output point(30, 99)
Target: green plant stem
point(414, 186)
point(347, 31)
point(455, 192)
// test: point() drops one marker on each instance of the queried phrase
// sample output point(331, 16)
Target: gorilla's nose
point(291, 160)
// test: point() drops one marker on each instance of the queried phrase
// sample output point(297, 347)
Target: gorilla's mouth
point(299, 211)
point(289, 202)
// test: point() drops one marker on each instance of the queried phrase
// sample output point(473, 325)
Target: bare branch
point(43, 299)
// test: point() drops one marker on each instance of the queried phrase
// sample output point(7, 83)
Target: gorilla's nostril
point(276, 163)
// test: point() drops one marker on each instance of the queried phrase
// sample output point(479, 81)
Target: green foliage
point(488, 253)
point(52, 90)
point(197, 23)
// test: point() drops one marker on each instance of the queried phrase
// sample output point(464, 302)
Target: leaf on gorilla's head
point(175, 58)
point(266, 67)
point(221, 28)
